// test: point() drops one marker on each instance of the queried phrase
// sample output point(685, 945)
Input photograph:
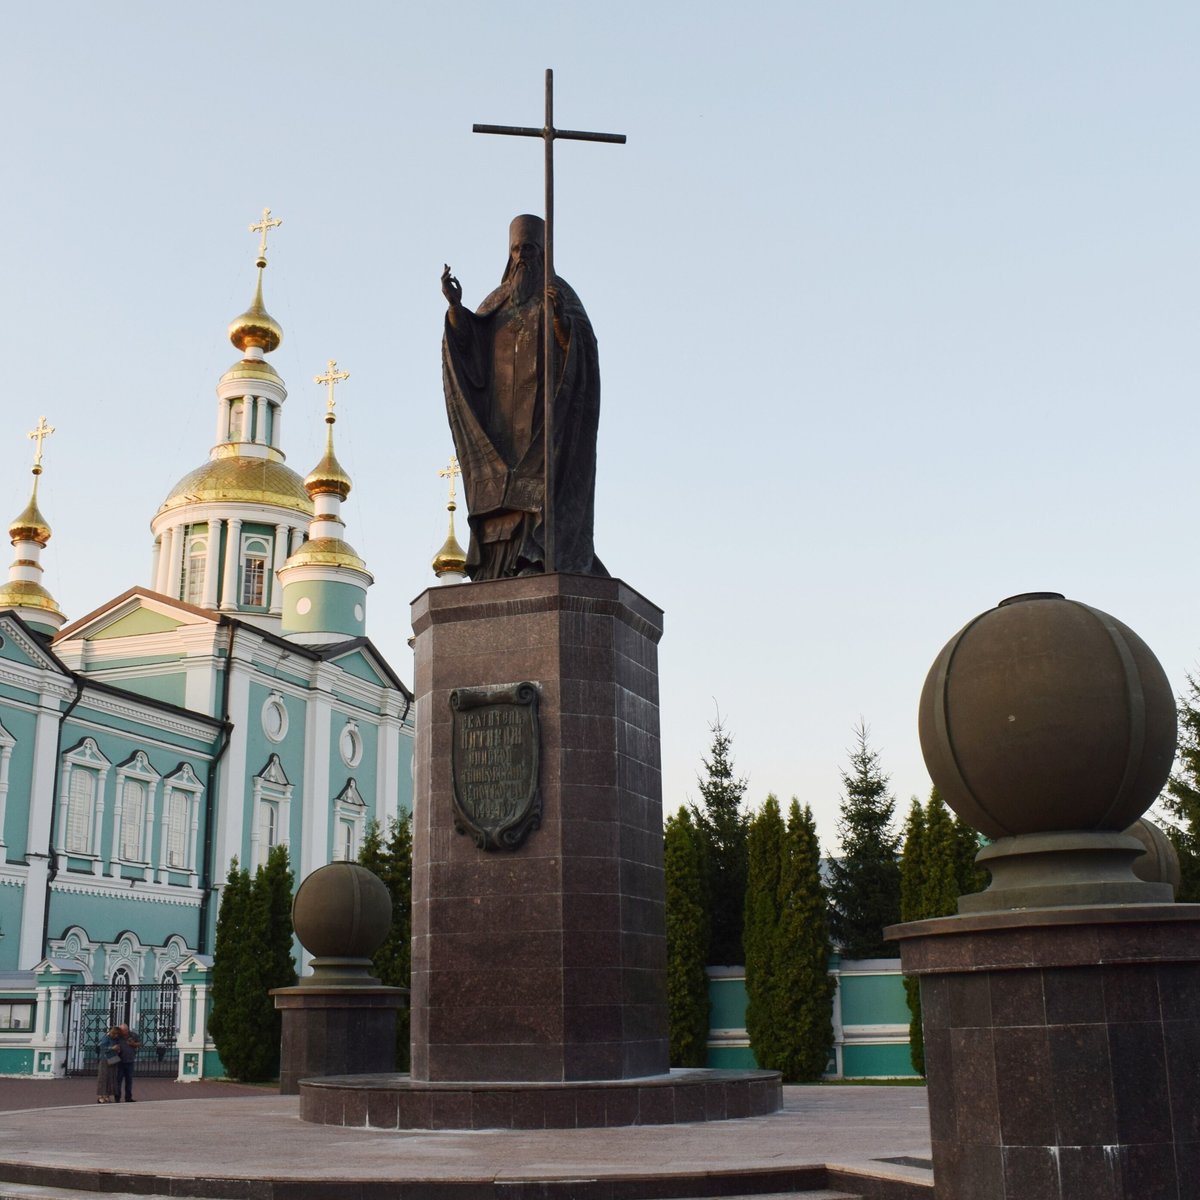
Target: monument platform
point(826, 1142)
point(399, 1102)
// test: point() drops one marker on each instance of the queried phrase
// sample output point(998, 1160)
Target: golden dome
point(241, 479)
point(328, 477)
point(327, 552)
point(30, 525)
point(451, 557)
point(251, 368)
point(23, 593)
point(256, 326)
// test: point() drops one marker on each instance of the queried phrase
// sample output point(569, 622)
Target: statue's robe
point(494, 382)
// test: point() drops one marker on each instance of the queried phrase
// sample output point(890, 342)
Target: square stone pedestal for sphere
point(336, 1031)
point(1061, 1047)
point(546, 963)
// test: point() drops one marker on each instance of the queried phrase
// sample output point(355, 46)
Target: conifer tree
point(761, 934)
point(971, 878)
point(687, 943)
point(865, 881)
point(224, 1022)
point(1181, 800)
point(802, 959)
point(912, 874)
point(392, 963)
point(723, 826)
point(252, 955)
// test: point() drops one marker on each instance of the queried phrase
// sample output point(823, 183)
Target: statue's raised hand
point(451, 288)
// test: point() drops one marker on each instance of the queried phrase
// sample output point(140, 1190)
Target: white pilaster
point(387, 770)
point(233, 555)
point(231, 815)
point(212, 559)
point(280, 557)
point(314, 821)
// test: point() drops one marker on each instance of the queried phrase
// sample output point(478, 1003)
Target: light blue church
point(233, 703)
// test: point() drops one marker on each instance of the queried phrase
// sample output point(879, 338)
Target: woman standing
point(106, 1071)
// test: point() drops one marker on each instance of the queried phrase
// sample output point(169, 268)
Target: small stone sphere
point(1159, 861)
point(1044, 714)
point(342, 911)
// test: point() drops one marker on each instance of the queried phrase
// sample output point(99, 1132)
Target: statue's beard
point(525, 281)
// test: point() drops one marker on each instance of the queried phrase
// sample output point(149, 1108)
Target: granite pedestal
point(336, 1031)
point(1062, 1046)
point(539, 974)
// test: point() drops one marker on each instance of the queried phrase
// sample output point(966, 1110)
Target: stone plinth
point(1061, 1047)
point(547, 963)
point(336, 1031)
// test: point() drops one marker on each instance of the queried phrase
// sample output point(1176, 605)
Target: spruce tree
point(761, 936)
point(865, 881)
point(802, 959)
point(687, 943)
point(1181, 800)
point(392, 963)
point(971, 878)
point(723, 826)
point(229, 964)
point(912, 875)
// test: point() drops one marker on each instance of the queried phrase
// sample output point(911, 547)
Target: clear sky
point(897, 308)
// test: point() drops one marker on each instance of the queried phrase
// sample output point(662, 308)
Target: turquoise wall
point(874, 1000)
point(106, 917)
point(22, 724)
point(12, 897)
point(331, 609)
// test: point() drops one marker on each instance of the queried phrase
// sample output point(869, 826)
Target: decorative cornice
point(151, 893)
point(131, 710)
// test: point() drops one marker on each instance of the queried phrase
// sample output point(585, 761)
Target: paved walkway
point(243, 1134)
point(61, 1093)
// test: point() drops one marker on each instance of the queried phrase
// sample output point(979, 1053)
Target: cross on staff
point(39, 435)
point(549, 135)
point(332, 377)
point(267, 223)
point(451, 471)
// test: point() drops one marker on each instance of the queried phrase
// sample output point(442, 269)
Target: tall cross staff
point(451, 471)
point(262, 227)
point(549, 135)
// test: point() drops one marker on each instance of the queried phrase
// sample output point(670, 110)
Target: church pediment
point(136, 613)
point(274, 773)
point(17, 644)
point(350, 795)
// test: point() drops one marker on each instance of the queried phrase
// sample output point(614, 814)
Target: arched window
point(197, 556)
point(255, 555)
point(120, 997)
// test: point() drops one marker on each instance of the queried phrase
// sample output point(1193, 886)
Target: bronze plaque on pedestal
point(494, 757)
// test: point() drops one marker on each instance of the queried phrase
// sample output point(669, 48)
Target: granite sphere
point(342, 911)
point(1045, 714)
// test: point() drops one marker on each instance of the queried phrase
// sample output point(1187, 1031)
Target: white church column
point(280, 557)
point(175, 563)
point(260, 419)
point(223, 421)
point(233, 553)
point(155, 558)
point(276, 419)
point(212, 560)
point(166, 538)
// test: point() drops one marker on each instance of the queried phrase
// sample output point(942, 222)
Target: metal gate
point(151, 1010)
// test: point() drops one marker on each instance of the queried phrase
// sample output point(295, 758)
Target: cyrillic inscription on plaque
point(494, 756)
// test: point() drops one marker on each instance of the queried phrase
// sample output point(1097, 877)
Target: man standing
point(127, 1046)
point(494, 380)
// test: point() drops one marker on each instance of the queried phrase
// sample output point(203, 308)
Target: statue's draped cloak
point(501, 451)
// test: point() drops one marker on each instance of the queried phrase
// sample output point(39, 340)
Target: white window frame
point(349, 813)
point(272, 793)
point(352, 734)
point(136, 769)
point(195, 567)
point(85, 756)
point(182, 783)
point(249, 551)
point(275, 704)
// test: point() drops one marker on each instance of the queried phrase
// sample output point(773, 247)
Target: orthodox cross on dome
point(451, 471)
point(332, 377)
point(262, 227)
point(39, 435)
point(549, 135)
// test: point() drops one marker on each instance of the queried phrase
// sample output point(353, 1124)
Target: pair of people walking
point(118, 1049)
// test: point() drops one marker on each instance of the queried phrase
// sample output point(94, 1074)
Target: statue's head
point(526, 246)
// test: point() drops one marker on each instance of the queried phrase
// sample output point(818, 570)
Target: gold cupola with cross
point(450, 562)
point(325, 581)
point(29, 532)
point(227, 527)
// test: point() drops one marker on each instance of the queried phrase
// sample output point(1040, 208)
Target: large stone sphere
point(342, 911)
point(1043, 715)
